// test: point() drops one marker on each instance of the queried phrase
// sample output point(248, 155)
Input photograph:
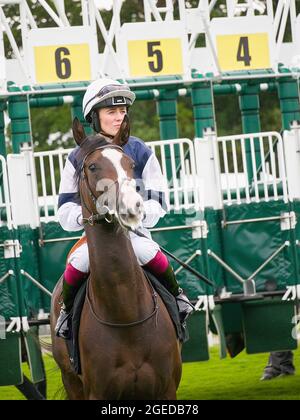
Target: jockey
point(105, 104)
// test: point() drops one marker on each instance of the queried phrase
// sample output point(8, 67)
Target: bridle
point(107, 214)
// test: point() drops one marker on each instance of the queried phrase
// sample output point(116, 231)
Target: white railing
point(178, 164)
point(251, 168)
point(207, 173)
point(4, 195)
point(49, 166)
point(221, 174)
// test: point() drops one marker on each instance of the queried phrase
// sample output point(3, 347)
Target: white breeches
point(145, 250)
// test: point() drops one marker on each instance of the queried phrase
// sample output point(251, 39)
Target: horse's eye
point(133, 165)
point(92, 167)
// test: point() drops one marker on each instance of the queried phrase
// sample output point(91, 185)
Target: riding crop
point(184, 265)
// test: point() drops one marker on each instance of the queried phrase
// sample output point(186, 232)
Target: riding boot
point(168, 279)
point(62, 328)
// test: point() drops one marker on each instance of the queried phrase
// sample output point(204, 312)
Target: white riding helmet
point(104, 93)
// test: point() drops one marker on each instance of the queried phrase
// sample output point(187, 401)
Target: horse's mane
point(88, 145)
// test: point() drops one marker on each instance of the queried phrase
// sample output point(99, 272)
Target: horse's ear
point(78, 131)
point(123, 134)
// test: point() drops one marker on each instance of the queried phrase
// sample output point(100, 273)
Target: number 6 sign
point(62, 55)
point(62, 63)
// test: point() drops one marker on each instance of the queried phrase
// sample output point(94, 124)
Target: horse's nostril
point(131, 212)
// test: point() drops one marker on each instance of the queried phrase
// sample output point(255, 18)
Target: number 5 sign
point(244, 43)
point(62, 55)
point(153, 49)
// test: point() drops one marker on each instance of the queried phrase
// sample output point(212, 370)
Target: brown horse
point(128, 345)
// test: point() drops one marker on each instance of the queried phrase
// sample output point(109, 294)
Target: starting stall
point(235, 200)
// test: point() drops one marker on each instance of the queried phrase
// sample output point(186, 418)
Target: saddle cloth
point(74, 320)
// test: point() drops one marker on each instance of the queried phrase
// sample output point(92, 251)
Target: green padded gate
point(268, 325)
point(11, 360)
point(34, 354)
point(196, 348)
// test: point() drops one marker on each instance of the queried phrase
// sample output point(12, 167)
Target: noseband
point(107, 215)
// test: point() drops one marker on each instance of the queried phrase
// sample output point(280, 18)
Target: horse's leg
point(71, 380)
point(73, 386)
point(170, 393)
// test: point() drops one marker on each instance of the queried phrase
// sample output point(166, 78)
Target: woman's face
point(111, 119)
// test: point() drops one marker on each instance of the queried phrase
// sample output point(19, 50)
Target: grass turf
point(215, 379)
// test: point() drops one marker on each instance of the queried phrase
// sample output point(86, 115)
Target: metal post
point(167, 114)
point(249, 106)
point(18, 110)
point(289, 101)
point(203, 108)
point(46, 102)
point(288, 93)
point(77, 112)
point(204, 118)
point(2, 129)
point(166, 107)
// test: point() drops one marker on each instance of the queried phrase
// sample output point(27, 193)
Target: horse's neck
point(115, 275)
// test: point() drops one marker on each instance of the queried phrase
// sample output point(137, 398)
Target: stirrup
point(185, 307)
point(62, 328)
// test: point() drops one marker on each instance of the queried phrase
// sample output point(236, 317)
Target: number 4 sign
point(244, 43)
point(62, 55)
point(243, 54)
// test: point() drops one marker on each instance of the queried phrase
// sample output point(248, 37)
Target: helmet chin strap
point(95, 122)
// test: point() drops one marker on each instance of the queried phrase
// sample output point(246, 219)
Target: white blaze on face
point(115, 157)
point(131, 203)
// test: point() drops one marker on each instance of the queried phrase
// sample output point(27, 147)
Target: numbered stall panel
point(62, 55)
point(245, 43)
point(153, 49)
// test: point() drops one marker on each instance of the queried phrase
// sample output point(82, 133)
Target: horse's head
point(105, 176)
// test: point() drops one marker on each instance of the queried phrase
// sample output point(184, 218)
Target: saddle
point(74, 319)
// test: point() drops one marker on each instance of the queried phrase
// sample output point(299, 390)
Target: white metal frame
point(233, 182)
point(184, 186)
point(45, 161)
point(4, 195)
